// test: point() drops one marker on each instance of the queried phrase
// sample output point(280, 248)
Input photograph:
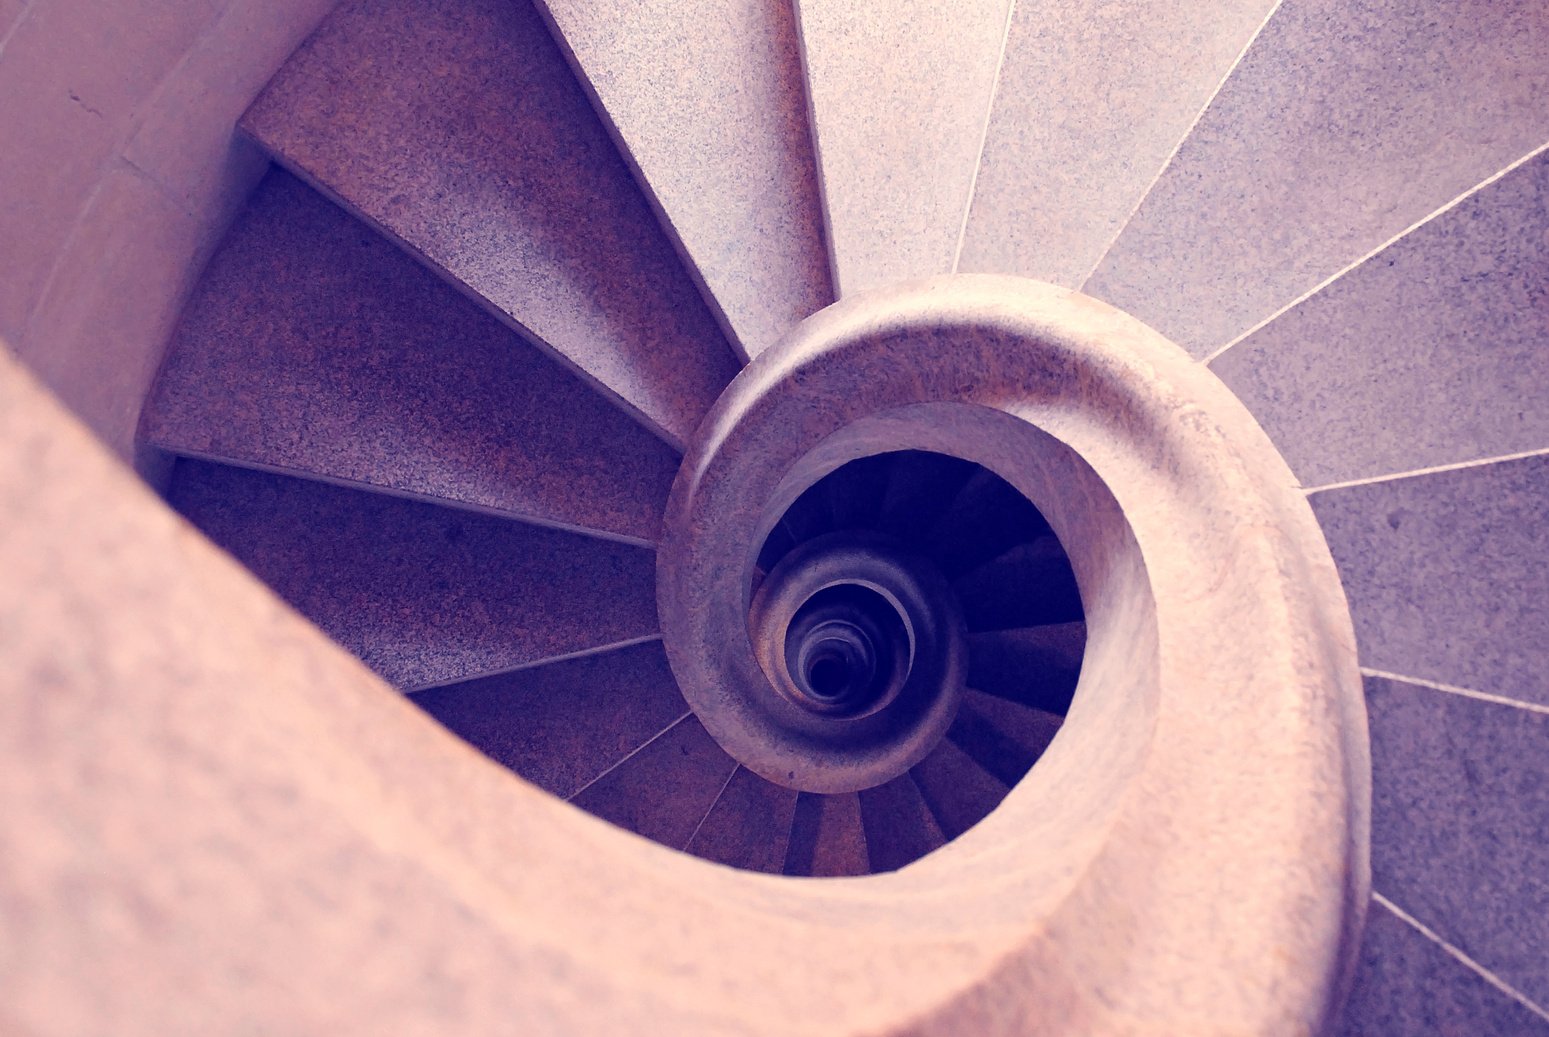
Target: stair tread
point(959, 792)
point(900, 828)
point(921, 486)
point(749, 825)
point(665, 789)
point(459, 130)
point(422, 594)
point(828, 839)
point(1037, 667)
point(899, 93)
point(706, 100)
point(1030, 585)
point(1329, 138)
point(313, 346)
point(1126, 82)
point(1445, 315)
point(1003, 737)
point(987, 518)
point(562, 724)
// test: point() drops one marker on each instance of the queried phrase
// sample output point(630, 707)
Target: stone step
point(459, 131)
point(749, 826)
point(959, 792)
point(899, 826)
point(705, 100)
point(312, 346)
point(987, 518)
point(1003, 737)
point(900, 90)
point(1090, 102)
point(664, 790)
point(1036, 667)
point(828, 839)
point(1343, 125)
point(562, 724)
point(1029, 585)
point(424, 595)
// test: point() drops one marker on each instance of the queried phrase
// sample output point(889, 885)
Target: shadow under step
point(1037, 667)
point(1029, 585)
point(959, 792)
point(987, 518)
point(562, 724)
point(749, 825)
point(423, 595)
point(899, 825)
point(664, 790)
point(828, 838)
point(459, 130)
point(313, 346)
point(1002, 737)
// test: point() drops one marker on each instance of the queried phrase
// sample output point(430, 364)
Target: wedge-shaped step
point(828, 839)
point(313, 346)
point(1036, 667)
point(921, 487)
point(665, 789)
point(424, 595)
point(1091, 101)
point(1030, 585)
point(749, 826)
point(1445, 333)
point(459, 130)
point(1345, 123)
point(1004, 738)
point(959, 792)
point(899, 826)
point(1406, 983)
point(705, 99)
point(1460, 810)
point(987, 517)
point(561, 724)
point(900, 90)
point(1445, 574)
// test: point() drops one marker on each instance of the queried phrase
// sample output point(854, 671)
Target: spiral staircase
point(578, 367)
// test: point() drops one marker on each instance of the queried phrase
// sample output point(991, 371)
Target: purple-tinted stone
point(958, 791)
point(899, 825)
point(828, 839)
point(1037, 667)
point(749, 826)
point(1003, 737)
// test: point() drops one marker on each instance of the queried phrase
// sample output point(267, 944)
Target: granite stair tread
point(1004, 738)
point(424, 595)
point(312, 346)
point(561, 724)
point(1128, 78)
point(1037, 666)
point(827, 837)
point(1030, 585)
point(459, 131)
point(987, 518)
point(666, 788)
point(1343, 125)
point(749, 826)
point(959, 792)
point(900, 90)
point(705, 99)
point(900, 828)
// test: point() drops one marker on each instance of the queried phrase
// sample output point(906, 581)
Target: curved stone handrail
point(1188, 857)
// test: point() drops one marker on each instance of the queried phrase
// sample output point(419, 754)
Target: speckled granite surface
point(749, 826)
point(1003, 737)
point(1460, 824)
point(898, 822)
point(459, 129)
point(1445, 574)
point(1435, 350)
point(1345, 123)
point(706, 99)
point(562, 724)
point(899, 90)
point(1092, 99)
point(827, 838)
point(665, 789)
point(424, 595)
point(1408, 986)
point(312, 345)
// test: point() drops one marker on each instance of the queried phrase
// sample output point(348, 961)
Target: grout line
point(711, 809)
point(1173, 154)
point(1483, 973)
point(628, 756)
point(1433, 470)
point(1395, 239)
point(1452, 689)
point(984, 136)
point(584, 653)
